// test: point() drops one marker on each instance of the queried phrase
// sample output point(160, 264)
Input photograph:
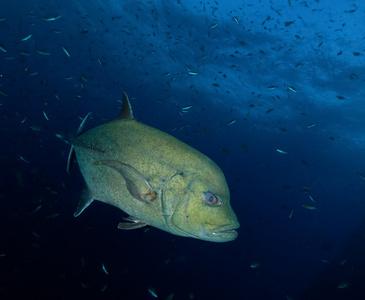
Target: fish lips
point(224, 233)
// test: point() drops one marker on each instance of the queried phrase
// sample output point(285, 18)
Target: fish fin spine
point(70, 158)
point(72, 150)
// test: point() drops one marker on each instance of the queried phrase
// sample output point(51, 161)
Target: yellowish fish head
point(202, 207)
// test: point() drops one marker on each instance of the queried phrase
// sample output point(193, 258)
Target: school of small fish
point(188, 69)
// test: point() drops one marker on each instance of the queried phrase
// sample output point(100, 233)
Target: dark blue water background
point(147, 48)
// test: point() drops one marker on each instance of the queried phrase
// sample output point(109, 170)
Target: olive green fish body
point(156, 179)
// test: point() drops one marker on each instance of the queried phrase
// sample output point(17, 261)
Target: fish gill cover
point(272, 91)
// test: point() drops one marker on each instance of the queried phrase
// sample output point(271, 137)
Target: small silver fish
point(51, 216)
point(36, 128)
point(3, 93)
point(44, 114)
point(170, 297)
point(308, 206)
point(64, 49)
point(43, 52)
point(152, 292)
point(51, 18)
point(255, 264)
point(23, 159)
point(36, 209)
point(343, 284)
point(2, 48)
point(104, 269)
point(26, 38)
point(311, 125)
point(281, 151)
point(103, 288)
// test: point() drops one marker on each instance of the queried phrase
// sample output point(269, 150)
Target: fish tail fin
point(78, 132)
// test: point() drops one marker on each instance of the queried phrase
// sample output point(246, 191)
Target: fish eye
point(212, 199)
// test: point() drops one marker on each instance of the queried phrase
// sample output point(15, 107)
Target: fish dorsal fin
point(126, 113)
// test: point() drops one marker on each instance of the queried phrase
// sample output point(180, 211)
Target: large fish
point(156, 179)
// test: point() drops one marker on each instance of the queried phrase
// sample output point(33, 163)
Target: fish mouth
point(227, 232)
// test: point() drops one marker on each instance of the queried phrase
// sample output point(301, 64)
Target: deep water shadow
point(348, 269)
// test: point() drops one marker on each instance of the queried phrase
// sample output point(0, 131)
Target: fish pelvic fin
point(85, 201)
point(136, 183)
point(133, 223)
point(78, 132)
point(126, 113)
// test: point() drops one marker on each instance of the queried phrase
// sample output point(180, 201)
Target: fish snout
point(225, 232)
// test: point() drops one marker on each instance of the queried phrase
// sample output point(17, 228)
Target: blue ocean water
point(261, 76)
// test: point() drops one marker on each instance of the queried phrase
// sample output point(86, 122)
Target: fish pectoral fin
point(136, 223)
point(85, 201)
point(137, 185)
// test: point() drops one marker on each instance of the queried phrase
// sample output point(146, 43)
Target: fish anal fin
point(135, 224)
point(126, 113)
point(136, 183)
point(85, 201)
